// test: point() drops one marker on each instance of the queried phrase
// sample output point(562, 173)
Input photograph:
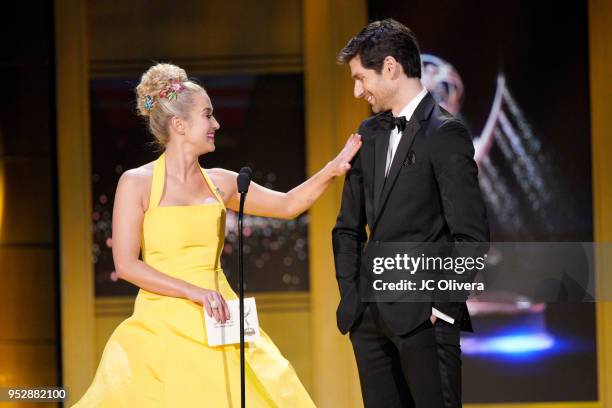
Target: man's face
point(375, 88)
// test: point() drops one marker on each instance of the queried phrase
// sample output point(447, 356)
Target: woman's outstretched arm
point(265, 202)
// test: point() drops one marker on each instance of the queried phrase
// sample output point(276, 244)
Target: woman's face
point(202, 125)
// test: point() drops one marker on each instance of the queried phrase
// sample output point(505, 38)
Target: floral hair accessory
point(172, 91)
point(148, 103)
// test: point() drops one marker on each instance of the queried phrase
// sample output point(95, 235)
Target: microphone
point(244, 179)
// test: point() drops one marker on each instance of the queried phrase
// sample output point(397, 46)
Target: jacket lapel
point(380, 159)
point(413, 126)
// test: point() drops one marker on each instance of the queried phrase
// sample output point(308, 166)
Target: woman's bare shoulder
point(138, 176)
point(221, 176)
point(220, 173)
point(224, 180)
point(136, 183)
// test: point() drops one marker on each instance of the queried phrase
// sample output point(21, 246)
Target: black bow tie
point(389, 122)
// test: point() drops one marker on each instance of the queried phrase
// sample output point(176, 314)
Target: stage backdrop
point(518, 77)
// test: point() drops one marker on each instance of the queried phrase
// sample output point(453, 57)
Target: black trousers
point(419, 369)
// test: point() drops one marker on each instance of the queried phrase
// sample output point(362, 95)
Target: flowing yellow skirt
point(159, 357)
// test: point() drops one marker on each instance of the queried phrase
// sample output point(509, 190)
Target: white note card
point(229, 332)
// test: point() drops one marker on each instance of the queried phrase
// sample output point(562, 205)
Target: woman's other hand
point(209, 299)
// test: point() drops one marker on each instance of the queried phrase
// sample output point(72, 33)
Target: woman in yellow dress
point(174, 211)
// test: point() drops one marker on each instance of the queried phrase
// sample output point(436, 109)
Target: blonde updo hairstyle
point(157, 78)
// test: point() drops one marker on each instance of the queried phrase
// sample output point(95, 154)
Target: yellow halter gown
point(159, 357)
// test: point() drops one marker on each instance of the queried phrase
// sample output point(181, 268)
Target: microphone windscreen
point(244, 179)
point(246, 170)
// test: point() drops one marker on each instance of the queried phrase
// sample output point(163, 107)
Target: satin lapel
point(412, 128)
point(380, 159)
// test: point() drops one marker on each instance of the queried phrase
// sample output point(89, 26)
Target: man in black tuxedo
point(414, 180)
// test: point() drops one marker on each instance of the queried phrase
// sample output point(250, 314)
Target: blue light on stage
point(515, 344)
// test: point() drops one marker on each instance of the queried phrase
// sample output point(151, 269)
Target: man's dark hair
point(381, 39)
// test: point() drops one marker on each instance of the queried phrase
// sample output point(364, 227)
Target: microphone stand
point(241, 297)
point(243, 181)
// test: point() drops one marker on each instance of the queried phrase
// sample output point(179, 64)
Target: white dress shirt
point(394, 140)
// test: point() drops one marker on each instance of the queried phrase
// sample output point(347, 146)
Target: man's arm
point(349, 234)
point(452, 157)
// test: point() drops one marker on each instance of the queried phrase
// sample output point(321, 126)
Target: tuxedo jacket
point(431, 194)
